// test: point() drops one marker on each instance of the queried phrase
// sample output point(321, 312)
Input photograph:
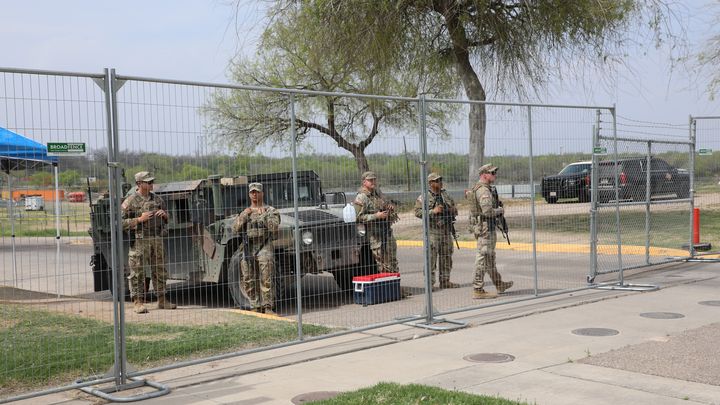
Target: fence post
point(298, 269)
point(532, 201)
point(425, 217)
point(648, 185)
point(693, 134)
point(594, 199)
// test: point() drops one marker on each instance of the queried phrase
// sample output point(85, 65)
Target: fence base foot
point(433, 325)
point(629, 287)
point(104, 393)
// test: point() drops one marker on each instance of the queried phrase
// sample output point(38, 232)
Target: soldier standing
point(260, 222)
point(143, 213)
point(484, 213)
point(442, 212)
point(378, 214)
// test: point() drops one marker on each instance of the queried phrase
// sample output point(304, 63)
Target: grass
point(38, 347)
point(669, 229)
point(412, 394)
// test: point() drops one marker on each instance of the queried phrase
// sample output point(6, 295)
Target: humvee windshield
point(278, 189)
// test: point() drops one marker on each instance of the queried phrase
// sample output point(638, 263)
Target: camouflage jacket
point(368, 203)
point(483, 209)
point(259, 226)
point(438, 222)
point(134, 206)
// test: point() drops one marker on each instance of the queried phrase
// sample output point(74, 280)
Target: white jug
point(349, 213)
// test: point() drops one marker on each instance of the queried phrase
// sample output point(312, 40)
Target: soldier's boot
point(163, 303)
point(504, 285)
point(483, 295)
point(449, 284)
point(269, 311)
point(138, 306)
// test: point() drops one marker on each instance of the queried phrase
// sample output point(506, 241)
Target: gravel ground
point(690, 356)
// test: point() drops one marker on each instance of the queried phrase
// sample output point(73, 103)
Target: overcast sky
point(194, 39)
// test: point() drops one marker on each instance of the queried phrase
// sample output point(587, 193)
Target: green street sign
point(66, 149)
point(600, 151)
point(705, 152)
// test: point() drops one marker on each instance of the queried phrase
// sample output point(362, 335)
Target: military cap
point(255, 187)
point(368, 176)
point(487, 168)
point(144, 176)
point(434, 177)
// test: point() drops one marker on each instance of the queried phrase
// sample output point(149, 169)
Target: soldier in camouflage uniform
point(260, 222)
point(143, 213)
point(442, 211)
point(484, 211)
point(378, 214)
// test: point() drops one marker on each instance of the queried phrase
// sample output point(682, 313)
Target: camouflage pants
point(147, 252)
point(441, 250)
point(257, 276)
point(385, 254)
point(485, 262)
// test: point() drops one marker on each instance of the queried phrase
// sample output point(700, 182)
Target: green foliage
point(41, 179)
point(69, 178)
point(412, 394)
point(302, 50)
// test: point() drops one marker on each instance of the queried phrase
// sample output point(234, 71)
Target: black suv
point(573, 181)
point(664, 179)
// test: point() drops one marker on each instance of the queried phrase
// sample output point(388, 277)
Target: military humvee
point(200, 245)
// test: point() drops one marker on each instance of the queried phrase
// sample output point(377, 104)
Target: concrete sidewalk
point(649, 361)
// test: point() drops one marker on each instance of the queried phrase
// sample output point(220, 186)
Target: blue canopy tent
point(20, 153)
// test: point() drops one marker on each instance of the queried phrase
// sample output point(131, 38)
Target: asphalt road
point(322, 301)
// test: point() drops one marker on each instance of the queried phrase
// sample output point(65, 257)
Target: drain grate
point(595, 332)
point(711, 303)
point(314, 396)
point(662, 315)
point(489, 357)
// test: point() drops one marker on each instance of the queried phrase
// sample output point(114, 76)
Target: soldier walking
point(484, 212)
point(144, 215)
point(378, 214)
point(442, 212)
point(260, 222)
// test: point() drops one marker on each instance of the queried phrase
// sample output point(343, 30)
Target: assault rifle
point(448, 217)
point(501, 222)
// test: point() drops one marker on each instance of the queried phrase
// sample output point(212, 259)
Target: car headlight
point(361, 231)
point(307, 237)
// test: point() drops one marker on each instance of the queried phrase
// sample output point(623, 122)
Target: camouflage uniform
point(441, 238)
point(483, 215)
point(261, 229)
point(382, 242)
point(147, 250)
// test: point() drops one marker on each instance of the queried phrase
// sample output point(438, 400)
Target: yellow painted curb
point(563, 248)
point(259, 315)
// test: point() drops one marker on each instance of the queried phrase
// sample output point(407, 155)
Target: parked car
point(665, 179)
point(573, 181)
point(201, 246)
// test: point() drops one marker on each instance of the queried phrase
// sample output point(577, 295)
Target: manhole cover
point(489, 357)
point(314, 396)
point(662, 315)
point(595, 332)
point(711, 303)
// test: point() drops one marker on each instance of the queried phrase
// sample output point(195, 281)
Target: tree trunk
point(477, 116)
point(360, 159)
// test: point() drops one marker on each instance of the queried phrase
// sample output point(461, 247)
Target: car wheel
point(683, 191)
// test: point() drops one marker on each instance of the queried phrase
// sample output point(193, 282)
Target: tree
point(297, 51)
point(41, 179)
point(709, 58)
point(69, 178)
point(499, 45)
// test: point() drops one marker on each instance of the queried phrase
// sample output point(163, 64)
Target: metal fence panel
point(55, 326)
